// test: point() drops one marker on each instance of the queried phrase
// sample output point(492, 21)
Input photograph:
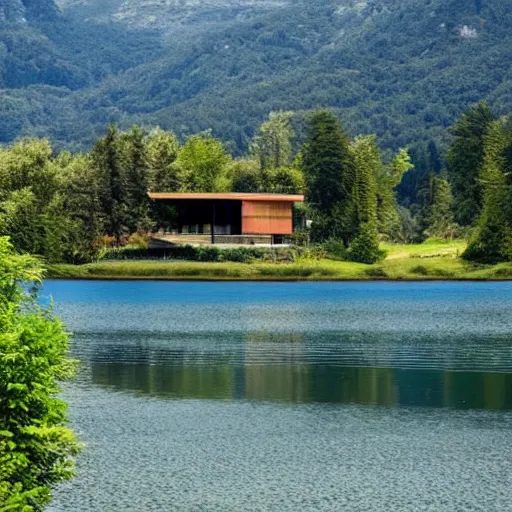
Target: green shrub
point(208, 253)
point(244, 254)
point(365, 247)
point(36, 448)
point(420, 270)
point(376, 272)
point(334, 249)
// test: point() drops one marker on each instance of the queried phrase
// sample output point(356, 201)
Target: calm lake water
point(289, 397)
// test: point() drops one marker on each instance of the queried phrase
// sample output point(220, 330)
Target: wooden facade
point(267, 218)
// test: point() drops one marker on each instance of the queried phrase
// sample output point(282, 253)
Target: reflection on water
point(301, 368)
point(287, 397)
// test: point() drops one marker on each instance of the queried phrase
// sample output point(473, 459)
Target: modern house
point(229, 218)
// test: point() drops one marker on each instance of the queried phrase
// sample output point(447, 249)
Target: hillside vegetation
point(402, 69)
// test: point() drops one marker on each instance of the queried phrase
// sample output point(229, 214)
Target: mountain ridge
point(404, 70)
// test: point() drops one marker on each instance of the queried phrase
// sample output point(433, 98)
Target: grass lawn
point(431, 260)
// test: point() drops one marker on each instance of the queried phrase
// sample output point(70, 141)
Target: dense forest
point(70, 207)
point(404, 70)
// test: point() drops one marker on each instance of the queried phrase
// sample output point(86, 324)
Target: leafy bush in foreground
point(35, 448)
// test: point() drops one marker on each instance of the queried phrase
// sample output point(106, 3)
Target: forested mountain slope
point(404, 69)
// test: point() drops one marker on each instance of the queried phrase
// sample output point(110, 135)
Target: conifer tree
point(107, 157)
point(137, 171)
point(464, 162)
point(329, 169)
point(491, 240)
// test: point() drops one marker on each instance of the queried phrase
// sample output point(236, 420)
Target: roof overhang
point(226, 196)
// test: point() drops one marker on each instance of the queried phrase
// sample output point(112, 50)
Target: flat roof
point(227, 196)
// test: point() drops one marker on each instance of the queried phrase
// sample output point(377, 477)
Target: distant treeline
point(69, 207)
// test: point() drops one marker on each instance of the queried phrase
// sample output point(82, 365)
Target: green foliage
point(329, 169)
point(36, 448)
point(32, 209)
point(440, 219)
point(388, 178)
point(464, 161)
point(68, 76)
point(161, 152)
point(332, 249)
point(368, 167)
point(245, 176)
point(108, 159)
point(202, 163)
point(137, 178)
point(272, 144)
point(206, 253)
point(492, 237)
point(365, 247)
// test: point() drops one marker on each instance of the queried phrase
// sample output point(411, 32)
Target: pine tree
point(329, 169)
point(107, 157)
point(137, 173)
point(491, 240)
point(464, 161)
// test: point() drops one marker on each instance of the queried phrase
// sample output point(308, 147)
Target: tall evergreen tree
point(492, 238)
point(80, 192)
point(464, 161)
point(329, 169)
point(107, 157)
point(137, 175)
point(425, 161)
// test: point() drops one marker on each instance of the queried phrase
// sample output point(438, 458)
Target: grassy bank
point(433, 260)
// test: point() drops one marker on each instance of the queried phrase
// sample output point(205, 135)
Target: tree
point(365, 246)
point(202, 161)
point(107, 158)
point(329, 170)
point(245, 176)
point(440, 218)
point(162, 150)
point(272, 145)
point(137, 179)
point(464, 162)
point(286, 180)
point(36, 448)
point(492, 237)
point(388, 178)
point(425, 161)
point(31, 206)
point(79, 186)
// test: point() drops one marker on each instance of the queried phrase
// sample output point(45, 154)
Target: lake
point(289, 396)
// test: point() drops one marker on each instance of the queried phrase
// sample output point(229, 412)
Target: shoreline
point(442, 269)
point(281, 280)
